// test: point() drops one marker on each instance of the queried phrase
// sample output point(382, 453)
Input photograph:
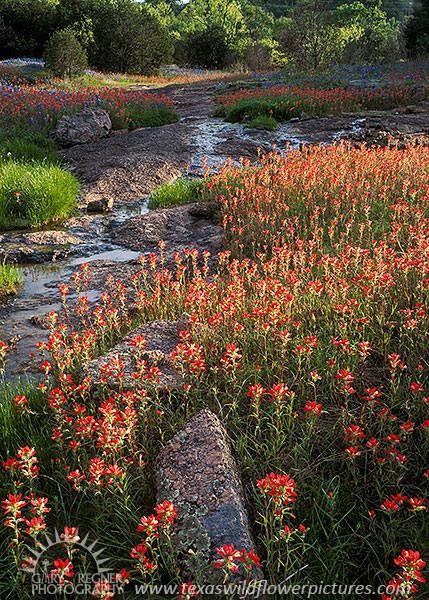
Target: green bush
point(128, 39)
point(206, 49)
point(34, 194)
point(181, 191)
point(64, 54)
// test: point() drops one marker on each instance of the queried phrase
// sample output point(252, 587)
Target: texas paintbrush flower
point(228, 557)
point(281, 488)
point(406, 582)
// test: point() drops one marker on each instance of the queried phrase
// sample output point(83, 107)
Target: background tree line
point(138, 37)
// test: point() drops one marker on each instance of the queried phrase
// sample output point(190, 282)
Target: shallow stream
point(213, 144)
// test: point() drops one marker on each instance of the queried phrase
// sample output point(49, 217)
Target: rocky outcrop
point(84, 127)
point(38, 247)
point(100, 204)
point(181, 228)
point(161, 339)
point(196, 471)
point(397, 129)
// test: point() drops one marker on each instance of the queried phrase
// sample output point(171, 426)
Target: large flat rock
point(130, 164)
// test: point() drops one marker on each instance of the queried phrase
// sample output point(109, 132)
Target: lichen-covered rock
point(161, 339)
point(86, 126)
point(196, 471)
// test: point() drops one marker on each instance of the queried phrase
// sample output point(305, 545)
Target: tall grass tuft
point(10, 278)
point(32, 195)
point(28, 148)
point(137, 116)
point(181, 191)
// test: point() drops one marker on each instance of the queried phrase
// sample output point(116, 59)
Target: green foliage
point(417, 30)
point(181, 191)
point(32, 194)
point(64, 54)
point(315, 36)
point(137, 116)
point(368, 35)
point(138, 37)
point(217, 15)
point(28, 148)
point(309, 37)
point(134, 42)
point(206, 48)
point(25, 26)
point(10, 278)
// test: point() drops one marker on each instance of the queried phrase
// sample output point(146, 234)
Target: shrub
point(34, 194)
point(207, 49)
point(143, 116)
point(134, 41)
point(257, 57)
point(64, 54)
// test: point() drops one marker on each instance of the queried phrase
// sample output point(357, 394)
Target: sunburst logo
point(64, 562)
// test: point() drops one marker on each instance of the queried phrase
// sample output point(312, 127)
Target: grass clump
point(181, 191)
point(28, 148)
point(137, 116)
point(263, 122)
point(33, 194)
point(10, 279)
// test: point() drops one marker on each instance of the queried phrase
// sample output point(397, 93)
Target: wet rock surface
point(398, 129)
point(85, 126)
point(374, 129)
point(100, 204)
point(161, 339)
point(130, 164)
point(197, 472)
point(181, 227)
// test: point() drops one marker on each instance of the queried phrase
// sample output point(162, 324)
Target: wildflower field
point(38, 109)
point(16, 72)
point(309, 342)
point(284, 101)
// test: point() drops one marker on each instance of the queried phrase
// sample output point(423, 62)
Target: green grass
point(263, 122)
point(10, 279)
point(34, 194)
point(136, 116)
point(181, 191)
point(28, 148)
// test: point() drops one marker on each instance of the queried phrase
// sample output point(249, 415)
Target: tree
point(77, 14)
point(368, 34)
point(134, 40)
point(64, 55)
point(309, 36)
point(417, 30)
point(220, 15)
point(206, 48)
point(25, 27)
